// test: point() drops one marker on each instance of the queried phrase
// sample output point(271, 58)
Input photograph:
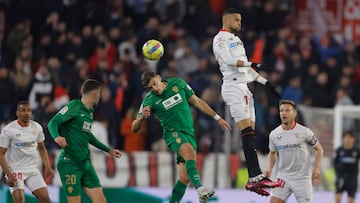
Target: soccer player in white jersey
point(291, 144)
point(20, 142)
point(237, 71)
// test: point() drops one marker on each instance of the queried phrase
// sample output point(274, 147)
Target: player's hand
point(316, 175)
point(11, 180)
point(272, 90)
point(115, 153)
point(146, 112)
point(61, 141)
point(48, 173)
point(225, 125)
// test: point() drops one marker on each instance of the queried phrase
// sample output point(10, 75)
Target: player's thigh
point(34, 181)
point(90, 179)
point(42, 195)
point(174, 140)
point(95, 194)
point(280, 193)
point(240, 101)
point(303, 190)
point(70, 174)
point(18, 196)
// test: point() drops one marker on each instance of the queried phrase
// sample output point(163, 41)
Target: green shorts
point(75, 175)
point(175, 139)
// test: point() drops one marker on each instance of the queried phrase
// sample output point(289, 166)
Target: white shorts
point(240, 100)
point(302, 190)
point(32, 179)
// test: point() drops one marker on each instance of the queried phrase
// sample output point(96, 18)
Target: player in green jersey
point(169, 101)
point(71, 130)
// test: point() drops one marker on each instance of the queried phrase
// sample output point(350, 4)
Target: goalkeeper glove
point(272, 90)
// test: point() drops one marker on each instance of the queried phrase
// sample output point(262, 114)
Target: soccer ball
point(153, 49)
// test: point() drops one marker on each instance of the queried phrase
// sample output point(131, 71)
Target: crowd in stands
point(48, 48)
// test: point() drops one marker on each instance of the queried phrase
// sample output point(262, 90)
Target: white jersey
point(21, 143)
point(228, 49)
point(293, 151)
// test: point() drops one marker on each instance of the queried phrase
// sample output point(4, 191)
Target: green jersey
point(172, 107)
point(74, 122)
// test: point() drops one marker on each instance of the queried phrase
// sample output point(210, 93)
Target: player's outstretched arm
point(206, 109)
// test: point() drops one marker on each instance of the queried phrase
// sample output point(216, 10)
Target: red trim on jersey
point(222, 30)
point(292, 127)
point(20, 124)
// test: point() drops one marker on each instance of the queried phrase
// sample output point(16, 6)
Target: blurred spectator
point(106, 109)
point(319, 93)
point(342, 98)
point(7, 96)
point(42, 114)
point(294, 90)
point(105, 52)
point(42, 85)
point(22, 80)
point(132, 141)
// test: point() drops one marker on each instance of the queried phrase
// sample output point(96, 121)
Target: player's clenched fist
point(146, 112)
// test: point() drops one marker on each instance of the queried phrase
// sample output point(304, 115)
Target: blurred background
point(48, 48)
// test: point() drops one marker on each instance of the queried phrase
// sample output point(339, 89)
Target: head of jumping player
point(23, 112)
point(152, 82)
point(231, 19)
point(288, 113)
point(90, 91)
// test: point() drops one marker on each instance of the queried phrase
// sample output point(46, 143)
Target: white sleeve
point(222, 52)
point(5, 138)
point(40, 133)
point(272, 146)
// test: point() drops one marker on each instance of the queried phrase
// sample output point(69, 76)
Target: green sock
point(193, 173)
point(177, 192)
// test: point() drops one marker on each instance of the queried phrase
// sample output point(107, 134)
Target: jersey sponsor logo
point(25, 144)
point(234, 44)
point(288, 147)
point(86, 126)
point(172, 101)
point(64, 110)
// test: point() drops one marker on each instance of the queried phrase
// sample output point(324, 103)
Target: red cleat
point(267, 183)
point(254, 187)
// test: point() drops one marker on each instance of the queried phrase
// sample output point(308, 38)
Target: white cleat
point(205, 193)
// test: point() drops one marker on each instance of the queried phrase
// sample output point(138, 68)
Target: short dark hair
point(230, 11)
point(89, 85)
point(22, 102)
point(290, 102)
point(146, 77)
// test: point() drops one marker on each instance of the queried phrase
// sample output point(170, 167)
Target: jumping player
point(20, 143)
point(71, 130)
point(169, 101)
point(237, 71)
point(289, 145)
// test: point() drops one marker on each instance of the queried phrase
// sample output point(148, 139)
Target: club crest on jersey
point(172, 101)
point(175, 89)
